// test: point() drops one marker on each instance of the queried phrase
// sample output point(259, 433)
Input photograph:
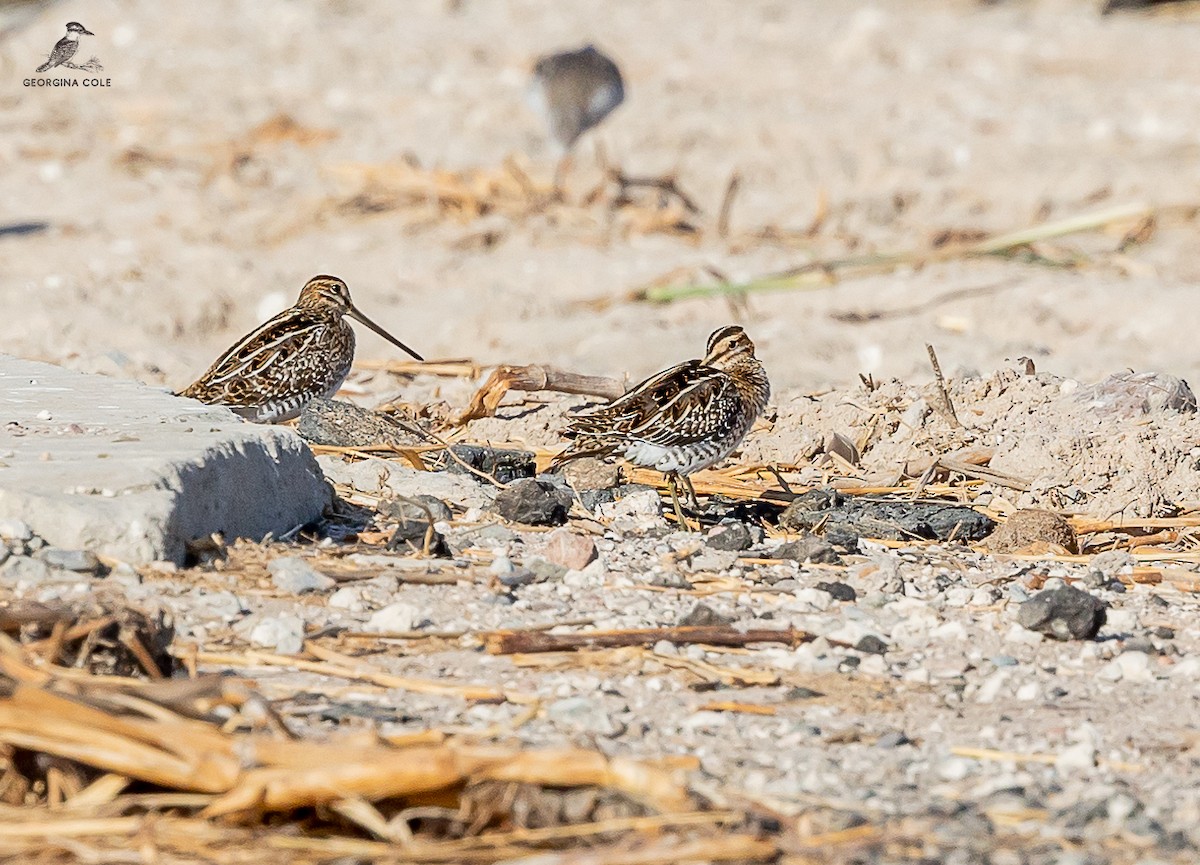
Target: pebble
point(871, 645)
point(283, 634)
point(1064, 614)
point(1031, 527)
point(569, 549)
point(839, 591)
point(1127, 667)
point(703, 615)
point(590, 473)
point(80, 561)
point(347, 598)
point(395, 618)
point(12, 529)
point(730, 535)
point(812, 549)
point(534, 502)
point(583, 714)
point(295, 576)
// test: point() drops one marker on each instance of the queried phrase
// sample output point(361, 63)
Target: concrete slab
point(134, 472)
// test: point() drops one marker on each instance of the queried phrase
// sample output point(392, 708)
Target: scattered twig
point(726, 212)
point(524, 642)
point(946, 407)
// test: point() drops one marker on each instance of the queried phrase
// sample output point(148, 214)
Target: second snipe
point(301, 354)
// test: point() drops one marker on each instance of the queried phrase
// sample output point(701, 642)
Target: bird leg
point(672, 484)
point(695, 502)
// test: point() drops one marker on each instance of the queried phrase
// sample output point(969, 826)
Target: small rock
point(809, 549)
point(12, 529)
point(80, 561)
point(840, 591)
point(517, 578)
point(703, 615)
point(284, 634)
point(545, 571)
point(840, 445)
point(1163, 632)
point(346, 598)
point(419, 507)
point(580, 713)
point(1131, 394)
point(589, 473)
point(1104, 568)
point(295, 576)
point(892, 739)
point(871, 645)
point(394, 618)
point(1064, 614)
point(534, 502)
point(730, 535)
point(415, 516)
point(342, 424)
point(20, 569)
point(569, 549)
point(1029, 527)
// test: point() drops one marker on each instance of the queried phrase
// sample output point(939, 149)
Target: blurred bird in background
point(574, 91)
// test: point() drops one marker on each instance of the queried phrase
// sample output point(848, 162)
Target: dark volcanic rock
point(534, 502)
point(730, 535)
point(1064, 614)
point(504, 465)
point(845, 519)
point(839, 591)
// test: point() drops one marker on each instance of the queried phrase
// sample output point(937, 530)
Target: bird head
point(76, 27)
point(327, 295)
point(728, 346)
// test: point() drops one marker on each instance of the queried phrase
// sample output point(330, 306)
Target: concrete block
point(133, 472)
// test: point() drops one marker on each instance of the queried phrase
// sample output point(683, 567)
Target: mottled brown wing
point(261, 363)
point(687, 403)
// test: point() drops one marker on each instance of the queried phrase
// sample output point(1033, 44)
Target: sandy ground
point(172, 229)
point(181, 210)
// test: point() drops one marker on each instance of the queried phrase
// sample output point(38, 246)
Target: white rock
point(394, 618)
point(1120, 621)
point(1081, 755)
point(346, 598)
point(1128, 667)
point(294, 575)
point(990, 689)
point(810, 600)
point(1017, 634)
point(284, 634)
point(954, 768)
point(1029, 691)
point(1188, 668)
point(12, 529)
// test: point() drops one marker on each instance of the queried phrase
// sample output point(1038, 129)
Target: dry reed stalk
point(359, 671)
point(820, 274)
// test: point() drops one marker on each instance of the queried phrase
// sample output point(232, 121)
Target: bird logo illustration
point(65, 50)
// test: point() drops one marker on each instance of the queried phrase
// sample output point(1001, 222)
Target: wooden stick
point(534, 377)
point(524, 642)
point(726, 211)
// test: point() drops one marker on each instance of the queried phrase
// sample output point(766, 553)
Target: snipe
point(683, 419)
point(303, 353)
